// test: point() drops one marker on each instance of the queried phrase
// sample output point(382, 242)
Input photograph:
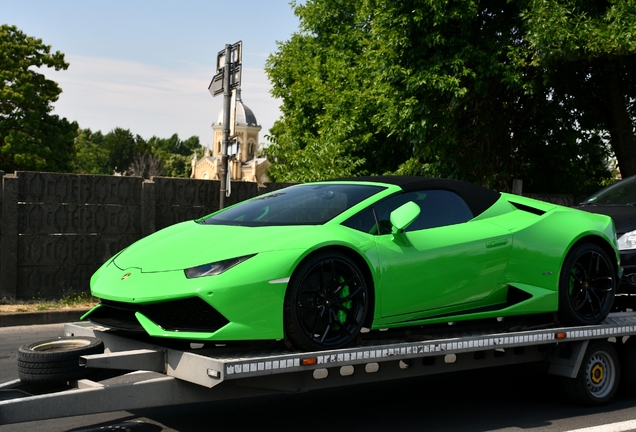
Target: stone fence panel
point(67, 226)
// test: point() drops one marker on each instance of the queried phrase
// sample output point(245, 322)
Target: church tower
point(244, 162)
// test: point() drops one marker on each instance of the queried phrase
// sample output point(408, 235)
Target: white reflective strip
point(613, 427)
point(413, 349)
point(278, 281)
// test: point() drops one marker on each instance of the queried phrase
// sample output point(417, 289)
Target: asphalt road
point(498, 399)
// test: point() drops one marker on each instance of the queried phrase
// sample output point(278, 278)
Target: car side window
point(437, 208)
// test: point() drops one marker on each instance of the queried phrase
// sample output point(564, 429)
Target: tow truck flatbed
point(134, 373)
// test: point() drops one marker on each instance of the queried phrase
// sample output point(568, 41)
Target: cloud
point(103, 94)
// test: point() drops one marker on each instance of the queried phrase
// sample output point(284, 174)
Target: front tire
point(326, 303)
point(587, 285)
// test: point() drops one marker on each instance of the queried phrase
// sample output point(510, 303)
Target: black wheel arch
point(360, 262)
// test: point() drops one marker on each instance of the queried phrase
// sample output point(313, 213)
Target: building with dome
point(243, 161)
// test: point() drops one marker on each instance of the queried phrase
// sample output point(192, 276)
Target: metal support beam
point(142, 359)
point(165, 391)
point(227, 101)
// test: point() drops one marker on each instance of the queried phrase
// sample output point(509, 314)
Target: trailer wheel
point(597, 381)
point(56, 360)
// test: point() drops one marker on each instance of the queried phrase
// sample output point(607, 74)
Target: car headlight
point(627, 241)
point(214, 268)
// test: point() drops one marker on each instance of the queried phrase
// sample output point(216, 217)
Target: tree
point(430, 87)
point(122, 149)
point(145, 165)
point(91, 155)
point(175, 155)
point(31, 138)
point(587, 49)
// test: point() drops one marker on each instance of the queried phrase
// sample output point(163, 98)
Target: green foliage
point(91, 156)
point(586, 51)
point(122, 149)
point(31, 138)
point(176, 155)
point(583, 29)
point(433, 87)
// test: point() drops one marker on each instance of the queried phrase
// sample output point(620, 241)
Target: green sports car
point(317, 263)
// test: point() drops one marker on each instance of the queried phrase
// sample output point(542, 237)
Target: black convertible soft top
point(478, 198)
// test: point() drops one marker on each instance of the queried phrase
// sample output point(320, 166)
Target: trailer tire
point(599, 375)
point(56, 360)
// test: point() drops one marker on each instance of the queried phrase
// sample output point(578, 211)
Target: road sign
point(216, 85)
point(236, 56)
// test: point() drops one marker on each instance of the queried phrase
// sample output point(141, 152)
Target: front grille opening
point(113, 316)
point(190, 314)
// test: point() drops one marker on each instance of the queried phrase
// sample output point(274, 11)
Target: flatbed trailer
point(135, 373)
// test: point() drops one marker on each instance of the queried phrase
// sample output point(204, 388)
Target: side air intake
point(528, 208)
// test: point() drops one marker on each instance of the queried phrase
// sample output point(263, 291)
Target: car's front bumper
point(243, 303)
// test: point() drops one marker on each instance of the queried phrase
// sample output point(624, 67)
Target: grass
point(68, 301)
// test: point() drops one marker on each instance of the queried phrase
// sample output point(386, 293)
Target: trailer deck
point(135, 373)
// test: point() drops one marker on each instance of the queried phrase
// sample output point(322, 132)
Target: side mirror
point(403, 216)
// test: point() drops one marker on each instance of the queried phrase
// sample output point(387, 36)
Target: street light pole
point(227, 99)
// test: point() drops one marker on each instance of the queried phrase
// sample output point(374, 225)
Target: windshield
point(311, 204)
point(620, 193)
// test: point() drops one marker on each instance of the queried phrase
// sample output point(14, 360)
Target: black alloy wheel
point(326, 303)
point(587, 286)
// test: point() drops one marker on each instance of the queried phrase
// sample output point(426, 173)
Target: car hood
point(190, 244)
point(624, 216)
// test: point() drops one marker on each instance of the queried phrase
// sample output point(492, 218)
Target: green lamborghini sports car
point(317, 263)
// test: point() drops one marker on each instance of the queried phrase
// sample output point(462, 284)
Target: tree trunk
point(619, 123)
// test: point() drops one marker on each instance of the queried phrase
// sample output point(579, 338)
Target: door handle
point(497, 242)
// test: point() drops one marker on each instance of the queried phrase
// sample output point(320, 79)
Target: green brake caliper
point(344, 292)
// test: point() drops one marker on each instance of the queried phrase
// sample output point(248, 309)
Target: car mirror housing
point(403, 216)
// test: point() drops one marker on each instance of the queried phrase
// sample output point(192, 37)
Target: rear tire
point(587, 285)
point(56, 360)
point(598, 378)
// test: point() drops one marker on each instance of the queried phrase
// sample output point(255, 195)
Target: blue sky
point(146, 65)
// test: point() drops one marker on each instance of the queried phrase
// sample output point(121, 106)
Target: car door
point(443, 259)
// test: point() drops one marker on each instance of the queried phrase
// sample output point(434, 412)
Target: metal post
point(227, 99)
